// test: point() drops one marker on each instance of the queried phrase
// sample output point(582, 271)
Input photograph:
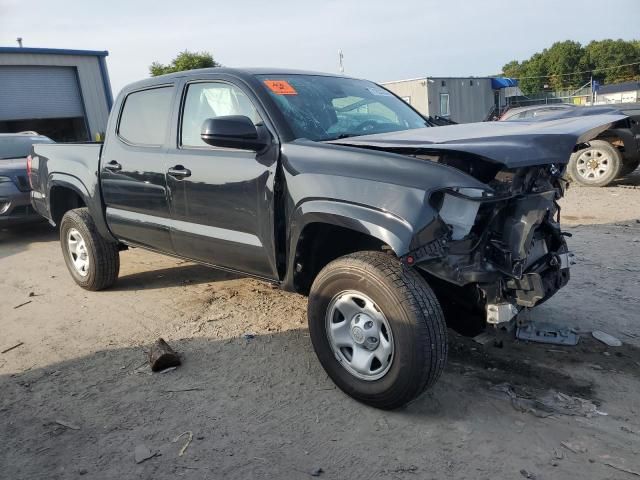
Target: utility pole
point(591, 84)
point(340, 58)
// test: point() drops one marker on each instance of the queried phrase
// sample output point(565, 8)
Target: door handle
point(179, 172)
point(113, 166)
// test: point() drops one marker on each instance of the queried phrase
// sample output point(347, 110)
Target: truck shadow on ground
point(246, 399)
point(18, 238)
point(632, 180)
point(188, 274)
point(541, 366)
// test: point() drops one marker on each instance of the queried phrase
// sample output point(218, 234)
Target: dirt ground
point(77, 397)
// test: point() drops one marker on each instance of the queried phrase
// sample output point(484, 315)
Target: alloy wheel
point(593, 164)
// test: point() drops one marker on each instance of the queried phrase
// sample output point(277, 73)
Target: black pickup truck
point(328, 186)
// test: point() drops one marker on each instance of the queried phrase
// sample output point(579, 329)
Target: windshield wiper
point(340, 137)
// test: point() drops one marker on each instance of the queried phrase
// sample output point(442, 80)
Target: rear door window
point(145, 116)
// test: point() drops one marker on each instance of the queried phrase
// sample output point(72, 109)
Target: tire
point(93, 262)
point(417, 331)
point(629, 167)
point(595, 166)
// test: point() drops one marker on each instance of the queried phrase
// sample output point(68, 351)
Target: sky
point(381, 40)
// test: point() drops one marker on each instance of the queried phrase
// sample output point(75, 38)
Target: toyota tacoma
point(328, 186)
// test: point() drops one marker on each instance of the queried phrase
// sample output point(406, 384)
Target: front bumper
point(532, 289)
point(513, 256)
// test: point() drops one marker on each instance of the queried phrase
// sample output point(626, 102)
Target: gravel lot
point(77, 397)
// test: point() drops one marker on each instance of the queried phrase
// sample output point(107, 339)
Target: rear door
point(133, 167)
point(223, 201)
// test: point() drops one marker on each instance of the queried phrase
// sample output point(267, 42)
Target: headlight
point(458, 208)
point(459, 213)
point(5, 180)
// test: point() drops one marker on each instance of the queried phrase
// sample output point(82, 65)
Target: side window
point(209, 100)
point(145, 116)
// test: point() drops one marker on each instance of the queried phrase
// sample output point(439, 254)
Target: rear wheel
point(377, 328)
point(93, 262)
point(596, 166)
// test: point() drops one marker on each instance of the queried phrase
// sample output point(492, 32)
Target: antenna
point(340, 58)
point(19, 40)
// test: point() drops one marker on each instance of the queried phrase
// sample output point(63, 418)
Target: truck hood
point(513, 144)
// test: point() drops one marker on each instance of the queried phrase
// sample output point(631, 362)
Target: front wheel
point(377, 328)
point(93, 262)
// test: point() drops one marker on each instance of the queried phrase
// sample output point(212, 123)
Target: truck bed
point(71, 164)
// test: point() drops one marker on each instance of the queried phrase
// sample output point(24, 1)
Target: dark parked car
point(613, 154)
point(328, 186)
point(534, 111)
point(15, 201)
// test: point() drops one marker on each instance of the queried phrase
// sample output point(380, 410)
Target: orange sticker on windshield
point(280, 87)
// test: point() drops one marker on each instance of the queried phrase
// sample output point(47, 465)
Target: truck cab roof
point(242, 73)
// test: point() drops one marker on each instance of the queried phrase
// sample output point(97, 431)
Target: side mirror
point(232, 131)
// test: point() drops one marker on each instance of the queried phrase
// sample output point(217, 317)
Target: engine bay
point(502, 245)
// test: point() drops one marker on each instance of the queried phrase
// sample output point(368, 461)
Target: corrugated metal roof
point(405, 80)
point(619, 87)
point(54, 51)
point(436, 78)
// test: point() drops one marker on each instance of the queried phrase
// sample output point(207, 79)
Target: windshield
point(19, 146)
point(327, 108)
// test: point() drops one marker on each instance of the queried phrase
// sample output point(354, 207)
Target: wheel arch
point(625, 137)
point(66, 192)
point(339, 228)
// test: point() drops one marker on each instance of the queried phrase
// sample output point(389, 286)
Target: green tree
point(184, 61)
point(569, 65)
point(534, 71)
point(513, 69)
point(602, 55)
point(562, 65)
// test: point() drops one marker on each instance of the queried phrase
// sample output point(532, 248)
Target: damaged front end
point(494, 250)
point(501, 246)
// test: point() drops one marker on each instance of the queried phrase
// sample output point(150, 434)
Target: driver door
point(221, 198)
